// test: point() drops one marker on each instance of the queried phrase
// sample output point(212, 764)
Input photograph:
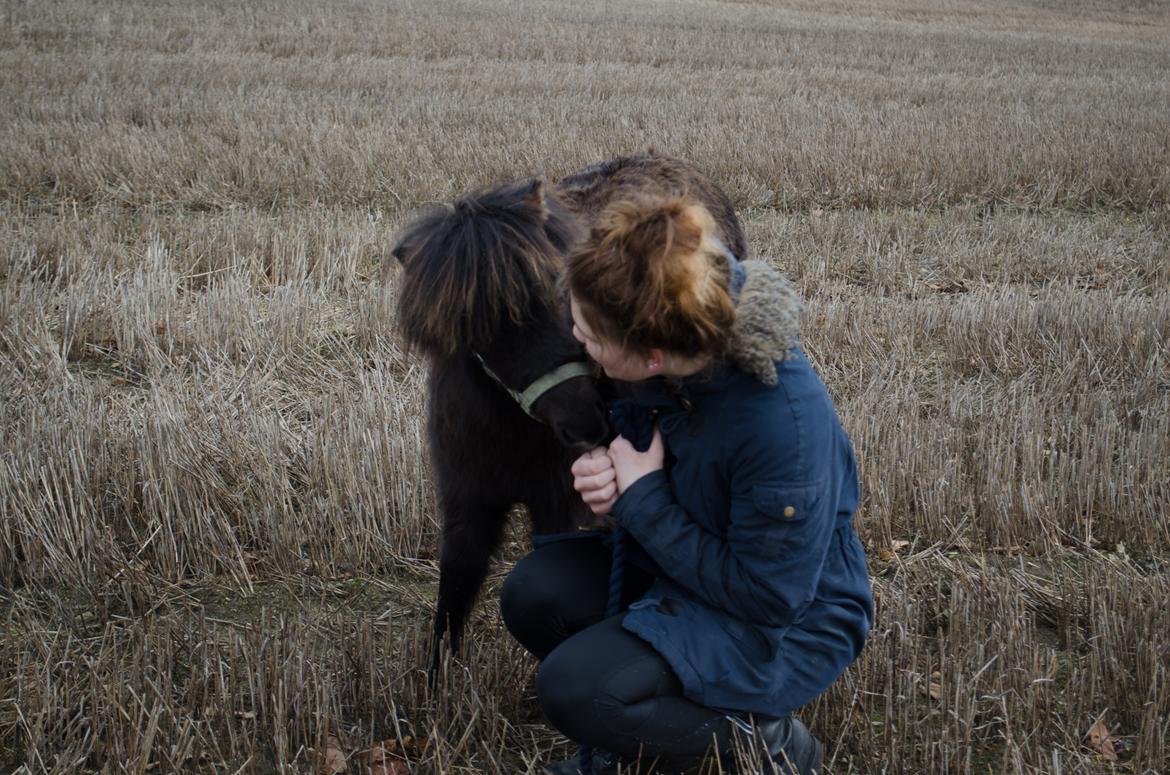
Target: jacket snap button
point(789, 512)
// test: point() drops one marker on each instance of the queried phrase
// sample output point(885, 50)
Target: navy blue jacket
point(768, 597)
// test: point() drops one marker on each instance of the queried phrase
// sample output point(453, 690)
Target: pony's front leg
point(471, 534)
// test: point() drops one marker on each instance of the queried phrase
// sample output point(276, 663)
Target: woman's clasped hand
point(602, 474)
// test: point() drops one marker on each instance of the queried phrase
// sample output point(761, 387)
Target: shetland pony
point(511, 400)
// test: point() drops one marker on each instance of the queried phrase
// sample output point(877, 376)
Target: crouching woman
point(747, 586)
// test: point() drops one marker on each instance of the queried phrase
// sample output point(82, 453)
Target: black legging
point(599, 684)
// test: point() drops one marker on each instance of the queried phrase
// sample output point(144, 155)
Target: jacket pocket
point(785, 513)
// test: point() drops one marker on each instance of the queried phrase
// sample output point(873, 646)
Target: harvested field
point(217, 523)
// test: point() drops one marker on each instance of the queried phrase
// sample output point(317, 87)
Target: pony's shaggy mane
point(491, 257)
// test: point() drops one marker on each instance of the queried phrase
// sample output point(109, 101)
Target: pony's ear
point(534, 197)
point(402, 253)
point(405, 248)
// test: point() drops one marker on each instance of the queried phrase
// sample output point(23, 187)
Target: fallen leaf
point(949, 286)
point(932, 687)
point(389, 767)
point(888, 554)
point(1101, 741)
point(382, 758)
point(331, 761)
point(246, 715)
point(1010, 551)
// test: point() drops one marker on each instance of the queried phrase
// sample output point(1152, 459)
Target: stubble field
point(217, 522)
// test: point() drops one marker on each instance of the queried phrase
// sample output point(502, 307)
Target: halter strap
point(546, 382)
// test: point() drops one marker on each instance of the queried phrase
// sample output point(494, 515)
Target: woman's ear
point(655, 359)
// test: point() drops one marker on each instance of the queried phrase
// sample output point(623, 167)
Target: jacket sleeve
point(765, 570)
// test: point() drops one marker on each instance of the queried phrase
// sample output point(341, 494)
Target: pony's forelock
point(484, 261)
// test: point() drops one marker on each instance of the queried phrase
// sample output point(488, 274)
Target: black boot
point(793, 749)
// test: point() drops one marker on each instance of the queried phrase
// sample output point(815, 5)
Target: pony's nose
point(567, 437)
point(597, 429)
point(600, 429)
point(585, 435)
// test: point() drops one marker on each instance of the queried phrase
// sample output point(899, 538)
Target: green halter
point(527, 397)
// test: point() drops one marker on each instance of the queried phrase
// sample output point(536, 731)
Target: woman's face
point(616, 361)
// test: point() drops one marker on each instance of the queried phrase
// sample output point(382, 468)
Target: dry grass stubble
point(216, 520)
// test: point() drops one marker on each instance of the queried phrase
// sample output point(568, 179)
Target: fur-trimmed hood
point(767, 322)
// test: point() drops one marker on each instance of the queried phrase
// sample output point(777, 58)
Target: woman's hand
point(630, 465)
point(594, 477)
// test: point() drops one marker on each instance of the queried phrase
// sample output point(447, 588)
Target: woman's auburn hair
point(651, 275)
